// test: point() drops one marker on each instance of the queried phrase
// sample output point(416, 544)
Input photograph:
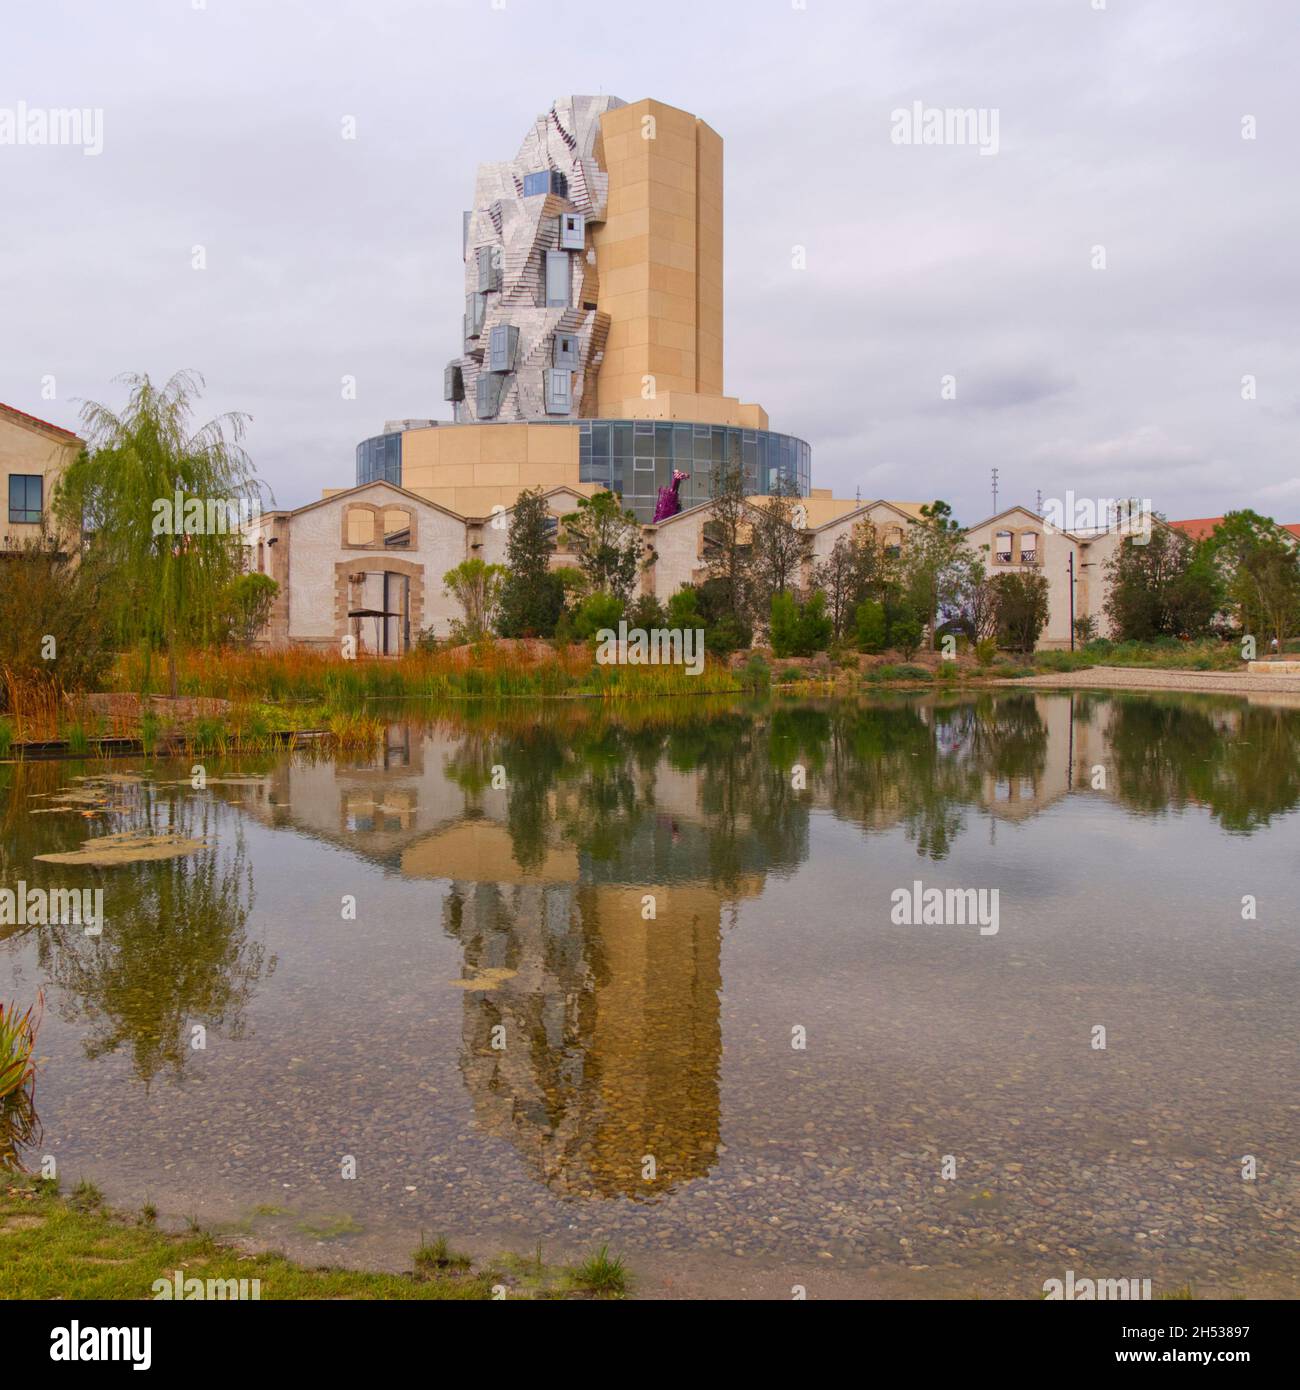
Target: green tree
point(1022, 606)
point(606, 538)
point(476, 586)
point(1161, 585)
point(1258, 565)
point(169, 577)
point(934, 564)
point(532, 596)
point(246, 607)
point(778, 546)
point(728, 544)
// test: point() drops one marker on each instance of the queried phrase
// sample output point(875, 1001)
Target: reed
point(17, 1048)
point(497, 669)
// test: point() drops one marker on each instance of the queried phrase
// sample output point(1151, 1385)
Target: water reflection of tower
point(612, 1030)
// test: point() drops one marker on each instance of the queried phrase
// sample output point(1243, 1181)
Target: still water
point(574, 975)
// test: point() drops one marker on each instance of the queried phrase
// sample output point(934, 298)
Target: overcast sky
point(1118, 128)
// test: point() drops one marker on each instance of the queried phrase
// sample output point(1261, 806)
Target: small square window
point(573, 227)
point(566, 350)
point(26, 496)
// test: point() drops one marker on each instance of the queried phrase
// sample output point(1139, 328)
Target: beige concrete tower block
point(660, 253)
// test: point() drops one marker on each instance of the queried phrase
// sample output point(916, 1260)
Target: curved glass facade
point(380, 460)
point(635, 458)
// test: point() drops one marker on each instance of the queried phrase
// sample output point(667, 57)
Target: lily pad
point(486, 979)
point(130, 847)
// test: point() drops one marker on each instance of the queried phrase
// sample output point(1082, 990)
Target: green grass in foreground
point(53, 1246)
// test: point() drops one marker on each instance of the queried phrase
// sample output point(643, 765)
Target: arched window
point(361, 526)
point(1002, 547)
point(397, 528)
point(1029, 547)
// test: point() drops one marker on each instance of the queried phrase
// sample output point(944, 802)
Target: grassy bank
point(55, 1246)
point(236, 700)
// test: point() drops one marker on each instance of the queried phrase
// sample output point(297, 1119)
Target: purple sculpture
point(668, 503)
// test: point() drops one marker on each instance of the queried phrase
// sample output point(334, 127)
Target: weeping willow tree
point(158, 501)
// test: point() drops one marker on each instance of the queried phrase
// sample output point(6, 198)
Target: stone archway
point(346, 571)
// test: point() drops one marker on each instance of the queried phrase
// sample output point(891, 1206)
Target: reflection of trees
point(174, 951)
point(1242, 761)
point(1007, 736)
point(889, 765)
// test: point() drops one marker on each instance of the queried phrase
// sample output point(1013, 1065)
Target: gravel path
point(1138, 678)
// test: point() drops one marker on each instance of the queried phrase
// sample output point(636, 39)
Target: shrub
point(783, 624)
point(906, 634)
point(800, 629)
point(246, 607)
point(986, 649)
point(869, 619)
point(44, 595)
point(684, 608)
point(598, 610)
point(755, 674)
point(647, 613)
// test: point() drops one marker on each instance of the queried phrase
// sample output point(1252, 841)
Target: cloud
point(1118, 128)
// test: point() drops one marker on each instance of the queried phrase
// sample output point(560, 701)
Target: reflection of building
point(612, 1040)
point(611, 1016)
point(609, 1013)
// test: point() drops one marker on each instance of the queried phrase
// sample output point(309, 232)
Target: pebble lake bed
point(582, 977)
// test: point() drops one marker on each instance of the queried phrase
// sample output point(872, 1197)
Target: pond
point(650, 975)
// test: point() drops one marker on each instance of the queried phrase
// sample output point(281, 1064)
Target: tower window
point(572, 231)
point(559, 398)
point(546, 181)
point(489, 268)
point(557, 279)
point(503, 340)
point(488, 395)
